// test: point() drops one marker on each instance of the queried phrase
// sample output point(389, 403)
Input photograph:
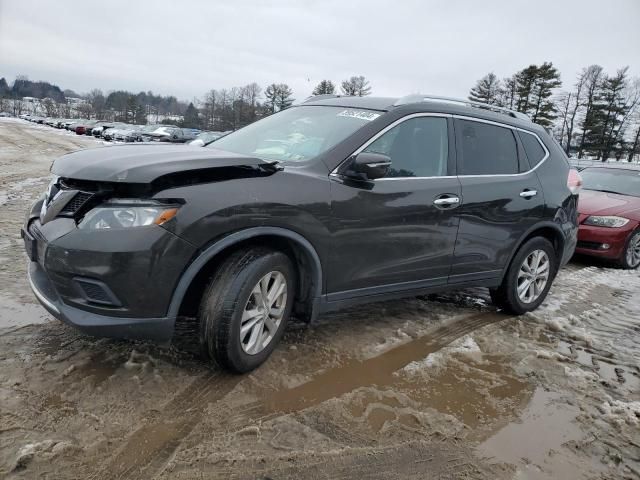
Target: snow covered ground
point(442, 386)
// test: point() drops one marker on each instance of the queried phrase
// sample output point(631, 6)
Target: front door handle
point(528, 193)
point(447, 201)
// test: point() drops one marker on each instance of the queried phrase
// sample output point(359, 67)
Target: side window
point(486, 149)
point(533, 149)
point(418, 147)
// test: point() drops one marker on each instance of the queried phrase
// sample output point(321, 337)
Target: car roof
point(428, 104)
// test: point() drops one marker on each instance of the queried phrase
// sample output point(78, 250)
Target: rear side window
point(486, 149)
point(533, 149)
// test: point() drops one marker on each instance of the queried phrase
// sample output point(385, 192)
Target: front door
point(397, 232)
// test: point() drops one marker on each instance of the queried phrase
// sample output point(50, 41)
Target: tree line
point(598, 116)
point(219, 109)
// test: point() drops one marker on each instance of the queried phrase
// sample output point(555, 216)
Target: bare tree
point(97, 101)
point(252, 92)
point(85, 109)
point(209, 108)
point(575, 103)
point(564, 103)
point(18, 107)
point(634, 149)
point(593, 78)
point(50, 107)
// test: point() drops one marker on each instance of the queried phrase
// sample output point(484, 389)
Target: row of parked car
point(123, 132)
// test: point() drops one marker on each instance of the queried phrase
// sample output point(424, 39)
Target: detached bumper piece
point(157, 329)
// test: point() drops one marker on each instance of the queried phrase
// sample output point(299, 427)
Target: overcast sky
point(185, 48)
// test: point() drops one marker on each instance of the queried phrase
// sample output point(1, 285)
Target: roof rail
point(416, 98)
point(325, 96)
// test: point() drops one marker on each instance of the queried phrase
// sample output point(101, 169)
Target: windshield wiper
point(272, 166)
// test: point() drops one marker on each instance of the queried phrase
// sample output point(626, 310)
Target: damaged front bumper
point(105, 283)
point(156, 329)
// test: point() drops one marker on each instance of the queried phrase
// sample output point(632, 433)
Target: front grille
point(76, 202)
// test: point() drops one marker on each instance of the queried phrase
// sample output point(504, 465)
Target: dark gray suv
point(331, 203)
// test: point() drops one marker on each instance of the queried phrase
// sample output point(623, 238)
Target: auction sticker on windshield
point(361, 114)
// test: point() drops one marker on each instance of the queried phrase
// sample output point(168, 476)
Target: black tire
point(506, 295)
point(623, 262)
point(225, 298)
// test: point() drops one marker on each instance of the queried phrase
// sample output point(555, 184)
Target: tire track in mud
point(412, 461)
point(148, 449)
point(149, 446)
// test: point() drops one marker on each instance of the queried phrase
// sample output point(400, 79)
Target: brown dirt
point(435, 387)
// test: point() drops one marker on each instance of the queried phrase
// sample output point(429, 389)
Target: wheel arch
point(549, 230)
point(187, 294)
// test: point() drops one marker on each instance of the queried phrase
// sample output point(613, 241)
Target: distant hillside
point(23, 87)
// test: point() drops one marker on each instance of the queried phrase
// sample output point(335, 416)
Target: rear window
point(533, 149)
point(486, 149)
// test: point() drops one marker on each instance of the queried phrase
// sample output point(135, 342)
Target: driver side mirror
point(370, 166)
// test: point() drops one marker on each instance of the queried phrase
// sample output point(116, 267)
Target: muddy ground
point(433, 387)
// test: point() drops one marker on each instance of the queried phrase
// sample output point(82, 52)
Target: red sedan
point(609, 209)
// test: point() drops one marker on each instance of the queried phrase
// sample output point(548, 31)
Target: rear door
point(501, 198)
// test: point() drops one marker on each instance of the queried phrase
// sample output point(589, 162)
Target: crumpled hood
point(592, 202)
point(143, 163)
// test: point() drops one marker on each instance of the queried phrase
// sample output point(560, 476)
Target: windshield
point(296, 134)
point(615, 180)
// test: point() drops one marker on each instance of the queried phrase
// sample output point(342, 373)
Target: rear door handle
point(447, 201)
point(528, 193)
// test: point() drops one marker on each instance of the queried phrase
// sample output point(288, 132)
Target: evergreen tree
point(279, 97)
point(191, 119)
point(543, 109)
point(487, 90)
point(524, 81)
point(285, 98)
point(4, 87)
point(610, 110)
point(356, 86)
point(140, 117)
point(130, 109)
point(325, 87)
point(533, 88)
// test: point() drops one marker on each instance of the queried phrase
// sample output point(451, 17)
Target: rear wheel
point(245, 308)
point(631, 255)
point(529, 277)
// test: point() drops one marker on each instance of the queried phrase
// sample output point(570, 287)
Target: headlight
point(606, 221)
point(126, 214)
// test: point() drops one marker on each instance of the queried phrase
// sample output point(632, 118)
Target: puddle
point(14, 314)
point(378, 371)
point(534, 444)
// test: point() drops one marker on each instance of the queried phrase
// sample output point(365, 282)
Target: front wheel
point(631, 255)
point(529, 277)
point(245, 308)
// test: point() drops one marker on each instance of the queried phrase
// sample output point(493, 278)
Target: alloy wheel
point(533, 276)
point(633, 251)
point(263, 312)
